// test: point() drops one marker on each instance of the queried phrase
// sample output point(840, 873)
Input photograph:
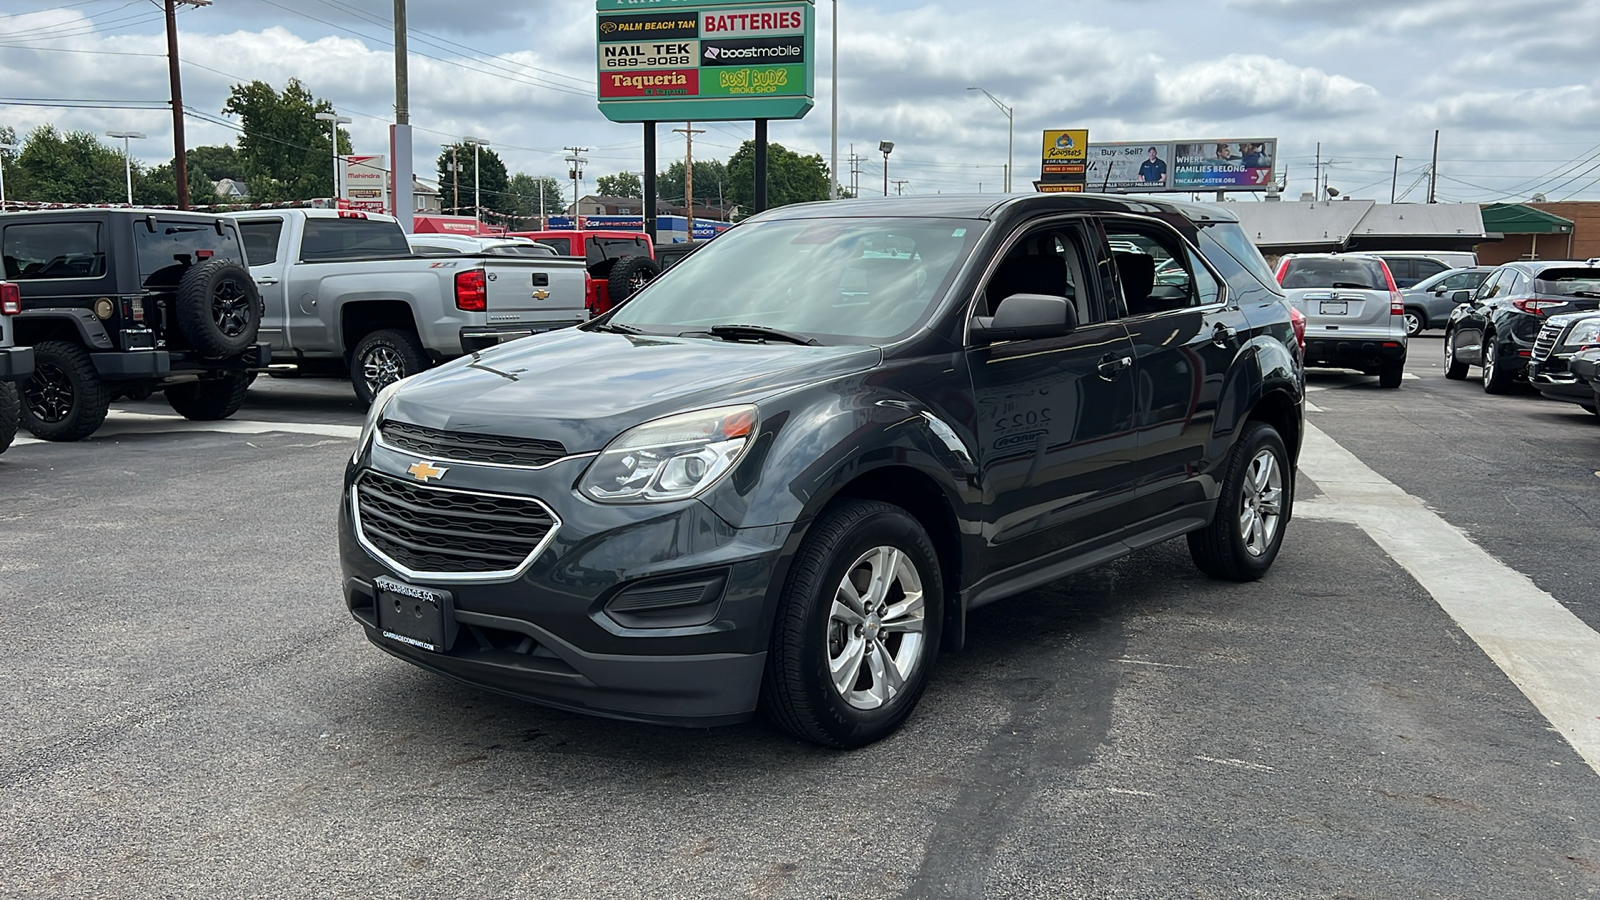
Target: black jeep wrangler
point(126, 302)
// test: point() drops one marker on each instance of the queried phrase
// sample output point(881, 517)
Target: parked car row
point(125, 303)
point(1500, 326)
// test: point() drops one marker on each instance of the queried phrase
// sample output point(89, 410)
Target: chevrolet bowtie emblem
point(426, 472)
point(541, 294)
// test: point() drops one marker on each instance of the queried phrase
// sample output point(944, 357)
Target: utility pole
point(180, 157)
point(400, 134)
point(833, 84)
point(577, 160)
point(1316, 184)
point(455, 181)
point(899, 185)
point(1395, 180)
point(1433, 171)
point(689, 131)
point(478, 144)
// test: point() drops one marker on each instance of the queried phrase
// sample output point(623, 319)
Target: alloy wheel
point(1261, 503)
point(1413, 324)
point(381, 367)
point(876, 628)
point(230, 307)
point(48, 394)
point(1489, 355)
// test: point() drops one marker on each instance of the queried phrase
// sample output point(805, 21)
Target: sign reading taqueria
point(704, 60)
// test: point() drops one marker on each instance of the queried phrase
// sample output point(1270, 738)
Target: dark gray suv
point(781, 475)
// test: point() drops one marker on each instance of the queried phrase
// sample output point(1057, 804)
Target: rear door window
point(53, 250)
point(562, 246)
point(1427, 268)
point(1156, 269)
point(261, 240)
point(1329, 272)
point(329, 240)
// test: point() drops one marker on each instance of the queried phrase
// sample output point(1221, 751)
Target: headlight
point(671, 458)
point(1584, 334)
point(374, 413)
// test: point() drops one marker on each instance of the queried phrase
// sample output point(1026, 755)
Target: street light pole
point(1396, 180)
point(886, 147)
point(127, 160)
point(334, 120)
point(477, 190)
point(833, 82)
point(1011, 133)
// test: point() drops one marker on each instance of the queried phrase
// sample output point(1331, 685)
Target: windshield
point(834, 280)
point(1366, 274)
point(1571, 282)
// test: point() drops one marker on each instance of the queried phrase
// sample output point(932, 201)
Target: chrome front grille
point(461, 446)
point(1546, 341)
point(447, 534)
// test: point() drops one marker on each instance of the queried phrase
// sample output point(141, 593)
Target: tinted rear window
point(562, 246)
point(539, 250)
point(53, 250)
point(169, 250)
point(261, 240)
point(1583, 282)
point(334, 239)
point(1366, 274)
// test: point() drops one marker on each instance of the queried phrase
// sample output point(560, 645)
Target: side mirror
point(1460, 297)
point(1026, 317)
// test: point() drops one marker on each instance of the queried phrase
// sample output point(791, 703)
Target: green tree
point(622, 184)
point(490, 168)
point(710, 183)
point(157, 186)
point(71, 167)
point(791, 177)
point(285, 151)
point(218, 163)
point(524, 191)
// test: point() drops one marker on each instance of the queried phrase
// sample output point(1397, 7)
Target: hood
point(584, 388)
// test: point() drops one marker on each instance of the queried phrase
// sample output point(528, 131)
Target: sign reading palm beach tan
point(705, 60)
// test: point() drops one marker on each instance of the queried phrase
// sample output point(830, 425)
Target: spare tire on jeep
point(218, 308)
point(629, 275)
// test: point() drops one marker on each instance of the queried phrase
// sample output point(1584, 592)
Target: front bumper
point(555, 633)
point(1555, 381)
point(16, 363)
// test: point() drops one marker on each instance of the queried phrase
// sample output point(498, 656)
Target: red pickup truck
point(619, 262)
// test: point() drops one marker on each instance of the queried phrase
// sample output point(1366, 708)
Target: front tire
point(1453, 370)
point(1496, 378)
point(1257, 499)
point(64, 399)
point(858, 627)
point(208, 401)
point(382, 358)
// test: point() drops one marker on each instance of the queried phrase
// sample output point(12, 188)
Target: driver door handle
point(1112, 367)
point(266, 281)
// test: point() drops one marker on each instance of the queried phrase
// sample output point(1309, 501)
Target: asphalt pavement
point(191, 713)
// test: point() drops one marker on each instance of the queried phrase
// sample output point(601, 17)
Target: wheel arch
point(360, 318)
point(74, 326)
point(1280, 410)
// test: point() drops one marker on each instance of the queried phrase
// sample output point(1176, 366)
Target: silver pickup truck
point(344, 293)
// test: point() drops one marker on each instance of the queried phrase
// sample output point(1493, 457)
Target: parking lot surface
point(191, 713)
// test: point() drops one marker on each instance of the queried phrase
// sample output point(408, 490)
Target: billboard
point(1154, 167)
point(1062, 159)
point(705, 60)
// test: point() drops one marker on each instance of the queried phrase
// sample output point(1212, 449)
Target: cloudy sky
point(1511, 84)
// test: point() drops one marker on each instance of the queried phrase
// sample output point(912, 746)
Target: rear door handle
point(1112, 367)
point(1222, 335)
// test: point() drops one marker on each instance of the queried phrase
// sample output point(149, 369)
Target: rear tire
point(1453, 370)
point(218, 308)
point(1392, 373)
point(858, 626)
point(1257, 501)
point(1496, 379)
point(64, 399)
point(10, 413)
point(208, 401)
point(382, 358)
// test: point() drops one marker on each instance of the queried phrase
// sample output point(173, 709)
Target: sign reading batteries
point(705, 60)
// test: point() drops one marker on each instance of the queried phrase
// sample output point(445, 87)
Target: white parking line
point(119, 422)
point(1546, 651)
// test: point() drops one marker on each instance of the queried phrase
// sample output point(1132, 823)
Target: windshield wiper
point(761, 332)
point(615, 328)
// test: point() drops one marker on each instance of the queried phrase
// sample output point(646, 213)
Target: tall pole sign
point(705, 60)
point(1063, 161)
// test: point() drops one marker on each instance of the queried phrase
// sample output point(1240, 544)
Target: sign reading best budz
point(705, 60)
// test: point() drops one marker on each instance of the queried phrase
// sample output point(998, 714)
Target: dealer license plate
point(1333, 307)
point(418, 616)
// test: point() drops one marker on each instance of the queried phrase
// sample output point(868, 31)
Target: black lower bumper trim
point(16, 363)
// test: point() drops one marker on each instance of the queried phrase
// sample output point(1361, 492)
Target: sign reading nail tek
point(746, 59)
